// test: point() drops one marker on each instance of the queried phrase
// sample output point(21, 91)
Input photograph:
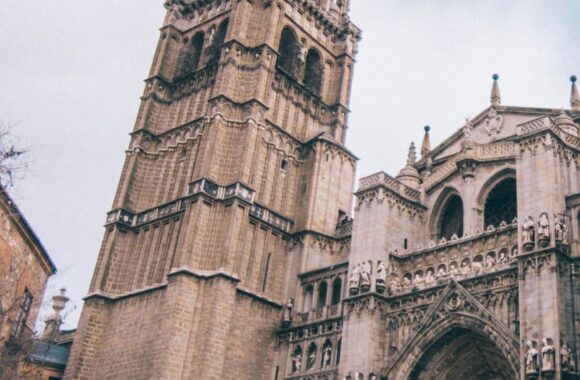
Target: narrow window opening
point(266, 269)
point(405, 244)
point(283, 166)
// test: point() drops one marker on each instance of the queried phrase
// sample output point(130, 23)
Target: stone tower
point(236, 179)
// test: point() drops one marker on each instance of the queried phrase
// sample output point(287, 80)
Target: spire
point(574, 96)
point(495, 95)
point(412, 156)
point(426, 146)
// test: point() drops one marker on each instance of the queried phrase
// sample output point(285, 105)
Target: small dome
point(410, 176)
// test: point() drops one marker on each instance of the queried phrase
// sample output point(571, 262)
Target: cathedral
point(235, 248)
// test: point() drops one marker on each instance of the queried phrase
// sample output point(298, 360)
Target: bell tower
point(235, 166)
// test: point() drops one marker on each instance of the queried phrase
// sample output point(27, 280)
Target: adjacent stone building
point(231, 252)
point(24, 270)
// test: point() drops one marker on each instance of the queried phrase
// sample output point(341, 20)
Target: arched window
point(313, 71)
point(451, 222)
point(191, 54)
point(308, 292)
point(336, 291)
point(217, 41)
point(326, 357)
point(288, 52)
point(311, 358)
point(322, 293)
point(501, 204)
point(338, 349)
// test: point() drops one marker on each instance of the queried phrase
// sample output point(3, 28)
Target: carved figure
point(477, 265)
point(543, 229)
point(548, 358)
point(564, 234)
point(365, 275)
point(558, 233)
point(468, 129)
point(502, 257)
point(565, 353)
point(418, 280)
point(311, 359)
point(489, 260)
point(430, 275)
point(453, 269)
point(326, 356)
point(354, 280)
point(407, 280)
point(395, 286)
point(531, 358)
point(528, 233)
point(465, 267)
point(381, 276)
point(441, 272)
point(297, 362)
point(288, 313)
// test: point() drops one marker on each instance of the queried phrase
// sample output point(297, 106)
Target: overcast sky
point(73, 70)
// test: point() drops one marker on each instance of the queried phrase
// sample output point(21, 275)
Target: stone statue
point(531, 358)
point(287, 313)
point(365, 276)
point(428, 166)
point(354, 280)
point(558, 231)
point(502, 257)
point(381, 276)
point(548, 357)
point(418, 280)
point(543, 229)
point(395, 286)
point(465, 267)
point(429, 275)
point(468, 129)
point(453, 270)
point(564, 234)
point(407, 280)
point(441, 272)
point(297, 362)
point(528, 233)
point(311, 359)
point(326, 356)
point(489, 260)
point(565, 353)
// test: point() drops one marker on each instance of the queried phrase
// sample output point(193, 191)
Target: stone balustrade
point(386, 180)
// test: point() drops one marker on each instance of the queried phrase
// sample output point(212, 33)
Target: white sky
point(73, 71)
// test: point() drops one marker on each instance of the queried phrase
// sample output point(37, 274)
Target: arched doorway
point(451, 219)
point(501, 203)
point(463, 354)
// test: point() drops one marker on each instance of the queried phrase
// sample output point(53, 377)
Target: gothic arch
point(288, 51)
point(218, 39)
point(313, 71)
point(414, 359)
point(497, 198)
point(448, 209)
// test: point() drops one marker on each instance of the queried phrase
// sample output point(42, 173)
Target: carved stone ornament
point(287, 313)
point(493, 123)
point(528, 234)
point(531, 359)
point(548, 355)
point(365, 276)
point(381, 277)
point(543, 229)
point(354, 280)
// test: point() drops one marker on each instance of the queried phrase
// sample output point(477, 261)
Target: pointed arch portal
point(463, 354)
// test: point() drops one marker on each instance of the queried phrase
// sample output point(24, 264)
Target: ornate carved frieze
point(147, 143)
point(394, 200)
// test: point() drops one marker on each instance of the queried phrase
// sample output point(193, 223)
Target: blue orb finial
point(573, 79)
point(427, 128)
point(495, 77)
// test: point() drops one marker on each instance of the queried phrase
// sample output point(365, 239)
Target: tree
point(13, 157)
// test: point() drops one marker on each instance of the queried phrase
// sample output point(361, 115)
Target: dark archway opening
point(219, 38)
point(452, 218)
point(463, 354)
point(288, 52)
point(313, 72)
point(501, 204)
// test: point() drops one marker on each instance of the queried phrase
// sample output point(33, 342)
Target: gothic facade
point(231, 250)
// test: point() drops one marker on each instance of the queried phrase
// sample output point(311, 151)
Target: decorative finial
point(495, 95)
point(426, 146)
point(574, 96)
point(412, 156)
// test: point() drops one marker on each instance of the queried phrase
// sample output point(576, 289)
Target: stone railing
point(543, 122)
point(480, 152)
point(131, 219)
point(470, 256)
point(317, 315)
point(314, 374)
point(386, 180)
point(270, 217)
